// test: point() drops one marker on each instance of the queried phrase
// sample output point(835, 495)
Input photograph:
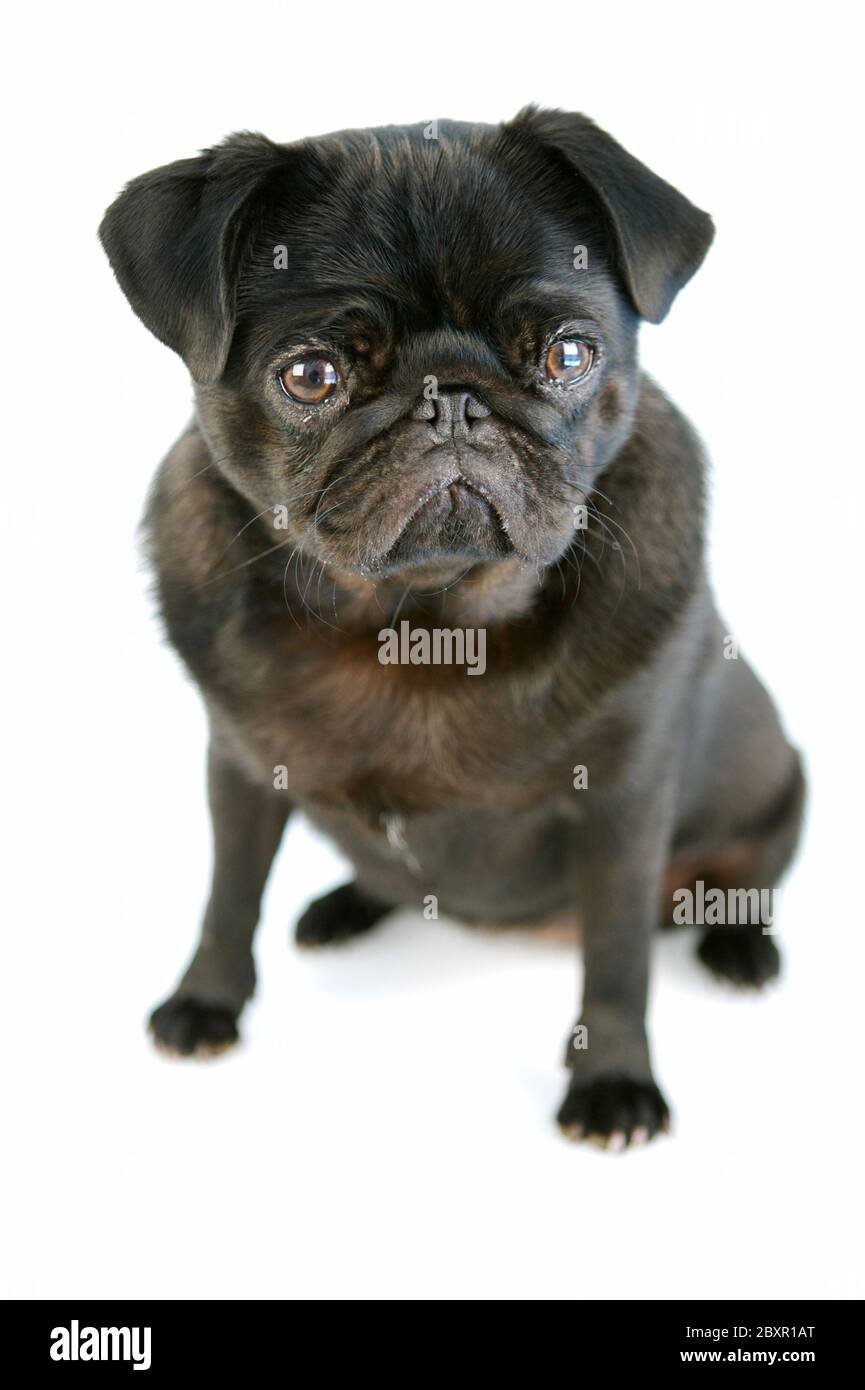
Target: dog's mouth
point(449, 509)
point(456, 519)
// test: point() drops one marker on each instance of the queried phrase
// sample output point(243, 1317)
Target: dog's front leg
point(612, 1097)
point(248, 821)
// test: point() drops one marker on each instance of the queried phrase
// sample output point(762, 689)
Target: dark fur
point(451, 257)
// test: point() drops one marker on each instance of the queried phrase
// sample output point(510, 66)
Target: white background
point(387, 1128)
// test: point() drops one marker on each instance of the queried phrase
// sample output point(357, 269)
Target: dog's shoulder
point(188, 527)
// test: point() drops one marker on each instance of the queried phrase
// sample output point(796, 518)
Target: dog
point(418, 402)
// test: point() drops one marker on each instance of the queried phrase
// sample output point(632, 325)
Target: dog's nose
point(451, 412)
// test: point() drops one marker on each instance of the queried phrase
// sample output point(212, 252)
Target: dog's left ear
point(661, 238)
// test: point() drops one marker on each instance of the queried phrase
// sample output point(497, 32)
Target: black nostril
point(450, 411)
point(476, 409)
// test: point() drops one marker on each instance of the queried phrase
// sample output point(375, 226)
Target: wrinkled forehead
point(386, 233)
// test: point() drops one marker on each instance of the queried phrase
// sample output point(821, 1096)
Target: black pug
point(421, 428)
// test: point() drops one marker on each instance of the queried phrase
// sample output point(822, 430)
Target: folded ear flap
point(661, 238)
point(176, 237)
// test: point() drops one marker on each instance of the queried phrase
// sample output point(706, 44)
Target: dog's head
point(415, 346)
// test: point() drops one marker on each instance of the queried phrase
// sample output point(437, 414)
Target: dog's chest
point(337, 728)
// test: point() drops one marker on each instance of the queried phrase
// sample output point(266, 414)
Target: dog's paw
point(614, 1112)
point(742, 955)
point(192, 1028)
point(336, 917)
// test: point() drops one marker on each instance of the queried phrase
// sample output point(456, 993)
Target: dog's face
point(414, 348)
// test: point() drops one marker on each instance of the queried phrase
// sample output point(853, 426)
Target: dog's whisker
point(272, 507)
point(244, 564)
point(611, 521)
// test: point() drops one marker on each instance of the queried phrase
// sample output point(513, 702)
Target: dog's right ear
point(176, 239)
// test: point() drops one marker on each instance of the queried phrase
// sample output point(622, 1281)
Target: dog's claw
point(192, 1028)
point(614, 1112)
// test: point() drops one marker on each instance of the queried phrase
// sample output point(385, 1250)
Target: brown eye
point(568, 361)
point(310, 381)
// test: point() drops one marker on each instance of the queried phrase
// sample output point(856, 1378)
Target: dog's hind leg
point(745, 872)
point(339, 915)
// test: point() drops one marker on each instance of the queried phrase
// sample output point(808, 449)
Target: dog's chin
point(455, 525)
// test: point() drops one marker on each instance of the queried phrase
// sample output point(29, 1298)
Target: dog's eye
point(310, 381)
point(568, 361)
